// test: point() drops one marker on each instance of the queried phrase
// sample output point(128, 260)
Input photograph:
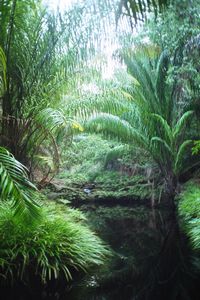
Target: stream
point(151, 259)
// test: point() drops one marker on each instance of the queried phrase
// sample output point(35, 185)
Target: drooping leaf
point(15, 186)
point(181, 123)
point(179, 156)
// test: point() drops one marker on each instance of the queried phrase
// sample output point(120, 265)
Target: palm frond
point(146, 77)
point(149, 121)
point(114, 126)
point(16, 186)
point(163, 142)
point(181, 151)
point(109, 102)
point(138, 10)
point(181, 123)
point(167, 131)
point(161, 86)
point(51, 119)
point(2, 71)
point(45, 128)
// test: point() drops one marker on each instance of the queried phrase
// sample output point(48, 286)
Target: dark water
point(151, 259)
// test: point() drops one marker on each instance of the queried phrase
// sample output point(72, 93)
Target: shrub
point(56, 247)
point(189, 210)
point(189, 204)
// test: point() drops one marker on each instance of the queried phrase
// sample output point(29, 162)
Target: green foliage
point(182, 42)
point(44, 52)
point(153, 120)
point(139, 10)
point(16, 186)
point(43, 133)
point(189, 201)
point(189, 210)
point(57, 247)
point(118, 186)
point(196, 148)
point(182, 13)
point(41, 53)
point(38, 137)
point(2, 71)
point(110, 170)
point(85, 157)
point(120, 152)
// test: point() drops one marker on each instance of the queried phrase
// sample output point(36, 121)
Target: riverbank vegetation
point(99, 106)
point(189, 212)
point(58, 247)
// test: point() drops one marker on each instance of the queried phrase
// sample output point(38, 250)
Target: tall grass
point(189, 210)
point(56, 247)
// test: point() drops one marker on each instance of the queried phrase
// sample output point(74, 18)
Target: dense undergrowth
point(189, 211)
point(57, 247)
point(107, 170)
point(132, 136)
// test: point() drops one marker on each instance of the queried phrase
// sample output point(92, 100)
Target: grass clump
point(189, 210)
point(57, 247)
point(189, 203)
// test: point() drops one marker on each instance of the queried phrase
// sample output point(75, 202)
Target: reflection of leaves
point(135, 239)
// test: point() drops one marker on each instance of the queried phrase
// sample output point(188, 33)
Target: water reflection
point(151, 260)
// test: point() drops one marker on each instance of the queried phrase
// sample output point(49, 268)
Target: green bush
point(189, 210)
point(84, 159)
point(56, 247)
point(189, 203)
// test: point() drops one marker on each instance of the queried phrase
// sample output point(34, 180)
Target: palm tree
point(152, 121)
point(14, 183)
point(42, 53)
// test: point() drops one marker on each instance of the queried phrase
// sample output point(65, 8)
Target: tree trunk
point(171, 186)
